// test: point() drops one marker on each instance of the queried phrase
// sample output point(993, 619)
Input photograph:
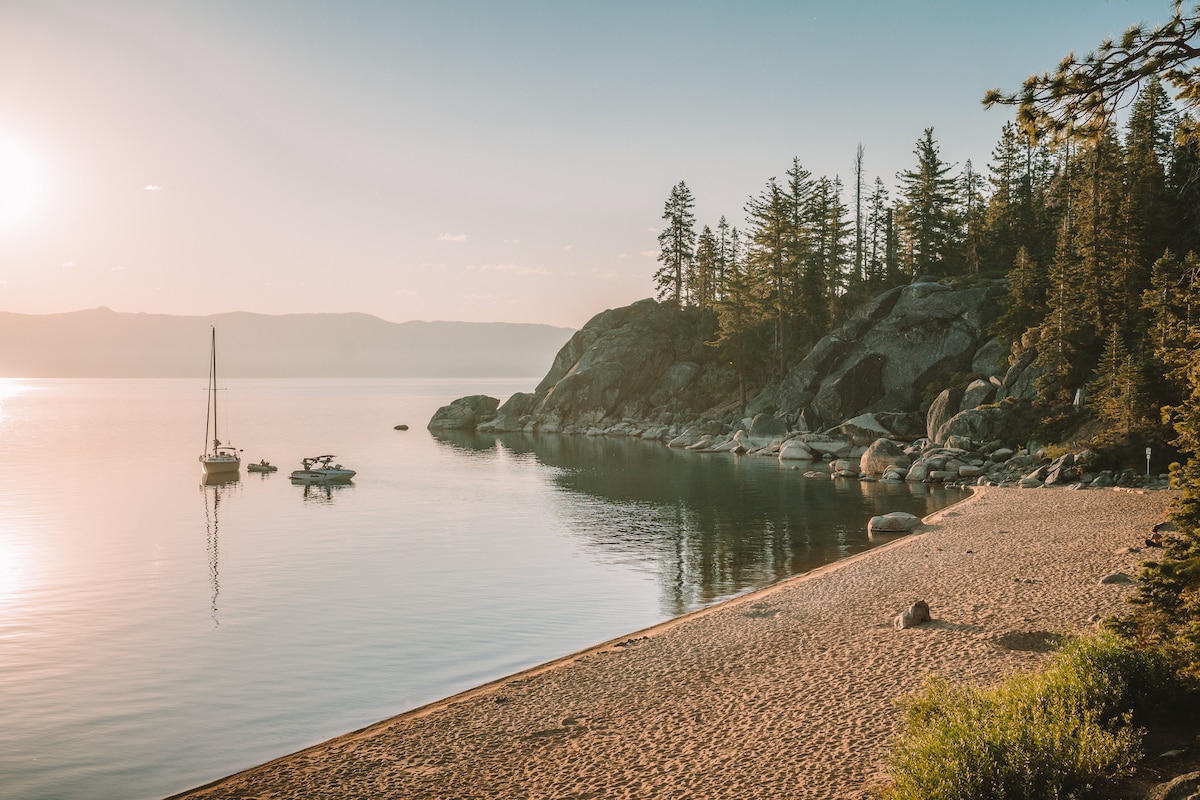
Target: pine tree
point(744, 320)
point(970, 187)
point(1117, 390)
point(727, 257)
point(677, 246)
point(704, 286)
point(1183, 187)
point(1172, 304)
point(928, 210)
point(1020, 176)
point(1026, 304)
point(827, 279)
point(859, 275)
point(1145, 224)
point(769, 259)
point(1096, 230)
point(1082, 97)
point(1062, 336)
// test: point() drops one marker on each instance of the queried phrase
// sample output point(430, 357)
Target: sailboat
point(219, 458)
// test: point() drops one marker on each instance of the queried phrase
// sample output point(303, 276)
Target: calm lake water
point(157, 633)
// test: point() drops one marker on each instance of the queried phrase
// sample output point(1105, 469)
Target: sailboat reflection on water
point(215, 485)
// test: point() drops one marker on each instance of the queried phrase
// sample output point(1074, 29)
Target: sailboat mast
point(215, 437)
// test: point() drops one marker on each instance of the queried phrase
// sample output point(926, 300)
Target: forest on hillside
point(1096, 232)
point(1088, 209)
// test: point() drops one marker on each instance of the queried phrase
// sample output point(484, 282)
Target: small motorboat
point(322, 469)
point(262, 466)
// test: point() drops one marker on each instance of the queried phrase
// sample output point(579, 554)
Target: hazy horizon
point(101, 343)
point(462, 161)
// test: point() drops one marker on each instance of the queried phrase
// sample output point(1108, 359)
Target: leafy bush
point(1065, 732)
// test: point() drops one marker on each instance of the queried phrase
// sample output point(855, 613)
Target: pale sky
point(459, 159)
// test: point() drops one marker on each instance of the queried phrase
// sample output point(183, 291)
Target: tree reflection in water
point(706, 525)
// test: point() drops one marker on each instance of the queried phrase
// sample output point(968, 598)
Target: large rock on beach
point(943, 407)
point(882, 455)
point(893, 522)
point(976, 425)
point(465, 413)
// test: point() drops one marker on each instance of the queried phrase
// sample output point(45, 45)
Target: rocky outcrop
point(639, 366)
point(888, 354)
point(465, 413)
point(860, 403)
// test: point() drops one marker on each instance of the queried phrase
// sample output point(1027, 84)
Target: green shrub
point(1065, 732)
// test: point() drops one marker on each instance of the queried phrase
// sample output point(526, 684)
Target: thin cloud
point(152, 187)
point(499, 300)
point(651, 253)
point(569, 247)
point(68, 263)
point(452, 237)
point(514, 268)
point(405, 292)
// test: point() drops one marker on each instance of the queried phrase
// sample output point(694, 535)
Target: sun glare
point(21, 182)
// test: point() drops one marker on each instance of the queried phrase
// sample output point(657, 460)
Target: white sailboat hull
point(216, 465)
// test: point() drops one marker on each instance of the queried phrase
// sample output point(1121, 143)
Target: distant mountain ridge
point(101, 343)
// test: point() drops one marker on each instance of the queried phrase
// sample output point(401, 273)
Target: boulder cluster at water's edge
point(858, 403)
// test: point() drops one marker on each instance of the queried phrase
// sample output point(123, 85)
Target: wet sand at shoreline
point(788, 692)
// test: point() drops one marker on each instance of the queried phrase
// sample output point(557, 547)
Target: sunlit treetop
point(1079, 98)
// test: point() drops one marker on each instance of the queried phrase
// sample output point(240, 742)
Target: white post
point(1147, 462)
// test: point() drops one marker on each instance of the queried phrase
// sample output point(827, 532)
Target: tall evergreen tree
point(1025, 307)
point(1117, 389)
point(744, 320)
point(769, 259)
point(828, 277)
point(876, 270)
point(1173, 306)
point(1062, 336)
point(676, 245)
point(1097, 191)
point(859, 275)
point(1183, 188)
point(728, 257)
point(705, 263)
point(927, 209)
point(970, 187)
point(1017, 214)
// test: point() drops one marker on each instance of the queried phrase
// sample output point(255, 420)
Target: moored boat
point(322, 468)
point(262, 466)
point(220, 458)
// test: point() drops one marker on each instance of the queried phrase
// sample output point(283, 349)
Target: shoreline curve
point(789, 688)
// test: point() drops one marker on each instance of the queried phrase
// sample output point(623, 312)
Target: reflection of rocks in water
point(706, 525)
point(468, 441)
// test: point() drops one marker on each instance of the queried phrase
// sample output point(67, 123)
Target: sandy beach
point(788, 692)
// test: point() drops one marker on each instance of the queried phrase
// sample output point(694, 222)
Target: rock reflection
point(706, 525)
